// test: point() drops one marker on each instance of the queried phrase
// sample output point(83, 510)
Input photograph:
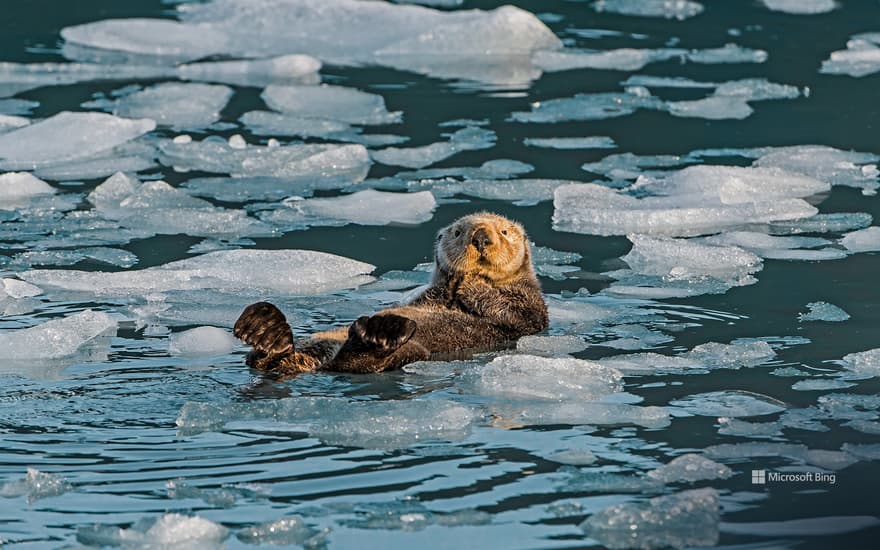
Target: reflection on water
point(699, 184)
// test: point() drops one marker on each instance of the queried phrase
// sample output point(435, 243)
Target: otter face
point(485, 245)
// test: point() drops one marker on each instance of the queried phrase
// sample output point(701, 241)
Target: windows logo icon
point(759, 477)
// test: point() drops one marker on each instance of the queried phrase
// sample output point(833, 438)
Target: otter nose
point(481, 239)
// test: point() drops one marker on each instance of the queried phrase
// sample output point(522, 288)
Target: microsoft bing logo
point(759, 477)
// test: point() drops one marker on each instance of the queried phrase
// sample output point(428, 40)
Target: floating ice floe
point(728, 403)
point(778, 248)
point(410, 515)
point(284, 69)
point(863, 240)
point(159, 208)
point(823, 223)
point(553, 263)
point(19, 77)
point(623, 59)
point(173, 104)
point(551, 345)
point(823, 311)
point(865, 363)
point(466, 139)
point(469, 44)
point(66, 137)
point(731, 99)
point(675, 9)
point(20, 188)
point(593, 106)
point(202, 341)
point(281, 271)
point(259, 188)
point(367, 207)
point(837, 167)
point(693, 201)
point(521, 192)
point(102, 254)
point(16, 289)
point(860, 58)
point(330, 103)
point(10, 122)
point(596, 142)
point(801, 7)
point(685, 519)
point(320, 162)
point(288, 531)
point(700, 359)
point(690, 468)
point(555, 379)
point(35, 485)
point(83, 336)
point(167, 531)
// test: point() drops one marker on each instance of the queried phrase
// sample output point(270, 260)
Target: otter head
point(484, 245)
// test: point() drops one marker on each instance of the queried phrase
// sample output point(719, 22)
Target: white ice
point(19, 77)
point(551, 345)
point(202, 341)
point(65, 137)
point(623, 59)
point(252, 188)
point(367, 207)
point(85, 334)
point(690, 468)
point(287, 531)
point(675, 9)
point(522, 192)
point(112, 256)
point(823, 311)
point(700, 359)
point(860, 58)
point(596, 142)
point(18, 189)
point(685, 519)
point(731, 99)
point(801, 7)
point(320, 162)
point(692, 201)
point(863, 240)
point(175, 104)
point(284, 69)
point(173, 531)
point(467, 139)
point(729, 403)
point(555, 379)
point(35, 485)
point(330, 102)
point(291, 272)
point(779, 248)
point(834, 166)
point(592, 106)
point(16, 289)
point(823, 223)
point(864, 363)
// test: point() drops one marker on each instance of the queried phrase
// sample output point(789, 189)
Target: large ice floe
point(860, 58)
point(290, 272)
point(693, 201)
point(67, 137)
point(469, 44)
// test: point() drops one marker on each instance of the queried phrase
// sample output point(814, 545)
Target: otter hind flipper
point(263, 326)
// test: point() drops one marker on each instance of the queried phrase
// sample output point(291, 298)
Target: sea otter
point(483, 293)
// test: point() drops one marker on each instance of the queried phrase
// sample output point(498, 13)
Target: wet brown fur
point(484, 293)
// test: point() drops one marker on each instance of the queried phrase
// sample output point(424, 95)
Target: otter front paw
point(383, 332)
point(263, 326)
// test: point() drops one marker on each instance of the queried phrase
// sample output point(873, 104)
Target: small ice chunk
point(281, 271)
point(823, 223)
point(34, 486)
point(597, 142)
point(578, 413)
point(689, 518)
point(466, 139)
point(768, 246)
point(623, 59)
point(823, 311)
point(284, 69)
point(690, 468)
point(596, 106)
point(860, 58)
point(533, 377)
point(574, 457)
point(182, 106)
point(18, 289)
point(367, 207)
point(522, 192)
point(653, 363)
point(865, 426)
point(164, 38)
point(17, 189)
point(318, 161)
point(730, 403)
point(801, 7)
point(551, 345)
point(167, 531)
point(65, 137)
point(742, 428)
point(202, 341)
point(835, 166)
point(712, 108)
point(59, 338)
point(265, 123)
point(330, 102)
point(734, 355)
point(863, 240)
point(676, 9)
point(865, 363)
point(255, 188)
point(729, 53)
point(395, 424)
point(292, 531)
point(819, 384)
point(112, 256)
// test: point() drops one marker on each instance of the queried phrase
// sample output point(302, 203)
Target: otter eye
point(504, 232)
point(440, 236)
point(457, 232)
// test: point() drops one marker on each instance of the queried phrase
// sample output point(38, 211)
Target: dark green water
point(108, 427)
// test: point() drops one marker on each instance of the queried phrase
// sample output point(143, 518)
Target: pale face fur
point(484, 245)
